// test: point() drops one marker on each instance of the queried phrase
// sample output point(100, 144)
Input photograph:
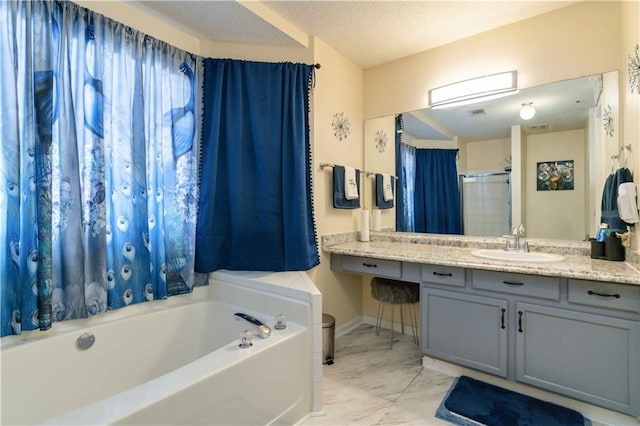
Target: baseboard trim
point(348, 326)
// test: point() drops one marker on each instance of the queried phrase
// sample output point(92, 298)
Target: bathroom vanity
point(571, 327)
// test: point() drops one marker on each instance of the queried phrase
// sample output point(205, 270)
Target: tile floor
point(370, 384)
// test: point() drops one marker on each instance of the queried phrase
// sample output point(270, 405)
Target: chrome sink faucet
point(259, 327)
point(518, 232)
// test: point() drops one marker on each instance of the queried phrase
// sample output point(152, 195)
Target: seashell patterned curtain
point(98, 165)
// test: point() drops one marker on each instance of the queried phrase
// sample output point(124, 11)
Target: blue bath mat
point(471, 402)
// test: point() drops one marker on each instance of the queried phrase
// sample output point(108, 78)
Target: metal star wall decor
point(607, 120)
point(633, 62)
point(381, 141)
point(341, 126)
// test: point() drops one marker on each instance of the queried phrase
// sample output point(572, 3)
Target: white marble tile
point(370, 384)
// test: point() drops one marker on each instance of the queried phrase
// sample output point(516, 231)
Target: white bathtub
point(175, 361)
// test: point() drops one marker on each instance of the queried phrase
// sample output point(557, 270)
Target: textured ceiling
point(375, 32)
point(369, 33)
point(221, 21)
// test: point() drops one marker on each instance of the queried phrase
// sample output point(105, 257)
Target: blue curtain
point(98, 166)
point(405, 170)
point(437, 195)
point(255, 210)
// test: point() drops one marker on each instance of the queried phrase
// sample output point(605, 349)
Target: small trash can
point(328, 338)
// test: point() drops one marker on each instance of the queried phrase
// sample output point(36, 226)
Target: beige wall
point(577, 40)
point(338, 89)
point(630, 103)
point(555, 214)
point(379, 162)
point(487, 156)
point(582, 39)
point(151, 25)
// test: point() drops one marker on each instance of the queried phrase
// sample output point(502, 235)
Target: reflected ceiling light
point(527, 111)
point(474, 90)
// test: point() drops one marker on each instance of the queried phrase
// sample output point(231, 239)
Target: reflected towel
point(339, 200)
point(609, 206)
point(381, 203)
point(350, 185)
point(386, 187)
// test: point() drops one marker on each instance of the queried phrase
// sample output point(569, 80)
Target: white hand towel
point(627, 203)
point(350, 185)
point(387, 193)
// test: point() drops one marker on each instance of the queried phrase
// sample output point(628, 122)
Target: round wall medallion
point(607, 120)
point(634, 71)
point(381, 141)
point(341, 126)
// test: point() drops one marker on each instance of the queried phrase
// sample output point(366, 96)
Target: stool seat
point(395, 292)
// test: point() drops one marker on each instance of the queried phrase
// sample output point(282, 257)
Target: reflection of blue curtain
point(97, 165)
point(405, 170)
point(437, 197)
point(255, 208)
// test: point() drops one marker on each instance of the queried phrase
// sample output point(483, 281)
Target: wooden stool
point(395, 292)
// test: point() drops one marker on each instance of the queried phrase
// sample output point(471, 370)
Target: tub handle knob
point(246, 339)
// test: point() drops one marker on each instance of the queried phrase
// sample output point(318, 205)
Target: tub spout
point(260, 328)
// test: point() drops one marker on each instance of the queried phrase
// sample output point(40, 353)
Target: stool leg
point(401, 320)
point(393, 311)
point(414, 323)
point(379, 318)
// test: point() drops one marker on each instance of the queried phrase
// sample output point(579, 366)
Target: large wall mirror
point(546, 172)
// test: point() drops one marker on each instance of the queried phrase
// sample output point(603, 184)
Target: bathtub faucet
point(260, 328)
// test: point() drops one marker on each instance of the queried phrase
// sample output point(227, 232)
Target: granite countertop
point(456, 251)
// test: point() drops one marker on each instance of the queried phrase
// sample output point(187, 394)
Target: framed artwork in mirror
point(554, 175)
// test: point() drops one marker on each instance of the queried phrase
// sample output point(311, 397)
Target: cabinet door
point(590, 357)
point(465, 329)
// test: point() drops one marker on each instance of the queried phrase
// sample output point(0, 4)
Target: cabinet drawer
point(605, 295)
point(524, 285)
point(369, 266)
point(448, 275)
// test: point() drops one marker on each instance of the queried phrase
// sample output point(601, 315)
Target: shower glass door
point(486, 204)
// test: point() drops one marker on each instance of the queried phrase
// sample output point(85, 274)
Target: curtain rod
point(367, 173)
point(324, 165)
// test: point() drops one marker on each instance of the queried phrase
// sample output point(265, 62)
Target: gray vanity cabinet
point(578, 338)
point(590, 357)
point(466, 329)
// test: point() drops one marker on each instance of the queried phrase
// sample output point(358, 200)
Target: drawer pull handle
point(594, 293)
point(512, 283)
point(520, 321)
point(440, 274)
point(369, 265)
point(502, 319)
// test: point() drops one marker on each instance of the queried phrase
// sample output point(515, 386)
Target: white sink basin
point(516, 256)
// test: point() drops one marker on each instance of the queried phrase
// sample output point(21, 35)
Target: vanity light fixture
point(527, 111)
point(474, 90)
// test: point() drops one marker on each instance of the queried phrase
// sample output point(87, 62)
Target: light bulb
point(528, 111)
